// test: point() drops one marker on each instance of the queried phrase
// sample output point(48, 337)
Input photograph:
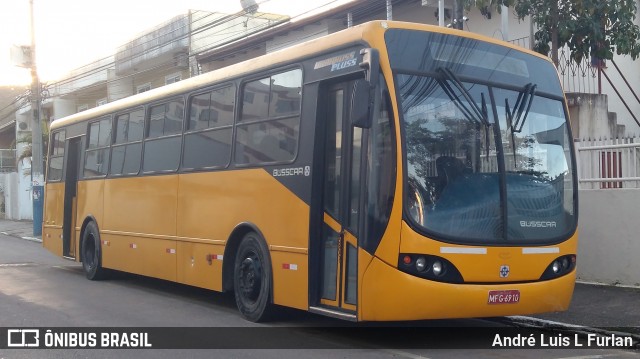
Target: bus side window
point(268, 129)
point(207, 142)
point(381, 172)
point(127, 149)
point(163, 142)
point(56, 156)
point(96, 161)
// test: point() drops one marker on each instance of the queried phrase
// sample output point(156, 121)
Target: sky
point(72, 33)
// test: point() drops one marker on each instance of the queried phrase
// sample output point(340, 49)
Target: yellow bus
point(390, 171)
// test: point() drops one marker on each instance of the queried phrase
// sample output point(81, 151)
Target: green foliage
point(590, 28)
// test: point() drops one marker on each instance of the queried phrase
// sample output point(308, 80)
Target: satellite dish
point(249, 6)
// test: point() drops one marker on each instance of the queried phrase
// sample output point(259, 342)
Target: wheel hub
point(250, 278)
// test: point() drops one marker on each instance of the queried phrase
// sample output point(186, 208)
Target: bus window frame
point(115, 115)
point(238, 113)
point(186, 131)
point(146, 138)
point(87, 143)
point(55, 154)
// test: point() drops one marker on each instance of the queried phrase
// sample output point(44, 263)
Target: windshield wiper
point(475, 114)
point(524, 97)
point(472, 111)
point(521, 108)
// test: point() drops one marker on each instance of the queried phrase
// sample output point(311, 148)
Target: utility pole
point(37, 173)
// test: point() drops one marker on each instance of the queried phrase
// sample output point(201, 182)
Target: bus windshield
point(488, 150)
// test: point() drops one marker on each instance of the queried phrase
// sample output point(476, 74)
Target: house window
point(169, 79)
point(143, 88)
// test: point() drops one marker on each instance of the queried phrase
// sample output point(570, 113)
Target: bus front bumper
point(388, 294)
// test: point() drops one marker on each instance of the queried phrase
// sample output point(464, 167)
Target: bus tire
point(252, 279)
point(92, 253)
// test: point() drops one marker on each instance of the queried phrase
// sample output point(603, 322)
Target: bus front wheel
point(252, 279)
point(91, 253)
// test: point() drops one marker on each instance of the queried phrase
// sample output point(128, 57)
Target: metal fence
point(577, 77)
point(609, 164)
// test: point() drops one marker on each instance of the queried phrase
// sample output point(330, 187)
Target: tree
point(593, 29)
point(27, 150)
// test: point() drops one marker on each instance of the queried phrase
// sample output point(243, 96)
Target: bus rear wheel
point(252, 279)
point(92, 253)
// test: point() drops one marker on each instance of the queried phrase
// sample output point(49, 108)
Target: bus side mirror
point(364, 91)
point(361, 104)
point(371, 64)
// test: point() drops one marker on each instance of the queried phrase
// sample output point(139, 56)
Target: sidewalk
point(21, 229)
point(595, 307)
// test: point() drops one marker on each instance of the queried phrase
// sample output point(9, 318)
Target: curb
point(33, 239)
point(15, 235)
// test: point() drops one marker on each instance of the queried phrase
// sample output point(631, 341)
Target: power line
point(109, 65)
point(226, 19)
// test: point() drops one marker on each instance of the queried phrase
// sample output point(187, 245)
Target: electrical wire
point(110, 61)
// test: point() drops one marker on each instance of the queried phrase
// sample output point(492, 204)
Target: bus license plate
point(504, 296)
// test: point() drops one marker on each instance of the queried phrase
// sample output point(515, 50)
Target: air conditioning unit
point(24, 125)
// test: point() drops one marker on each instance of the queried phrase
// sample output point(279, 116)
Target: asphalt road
point(40, 290)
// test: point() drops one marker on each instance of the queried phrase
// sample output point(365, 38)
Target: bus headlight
point(559, 267)
point(437, 268)
point(429, 267)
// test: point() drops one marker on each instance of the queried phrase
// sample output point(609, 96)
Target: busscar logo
point(538, 224)
point(23, 338)
point(293, 171)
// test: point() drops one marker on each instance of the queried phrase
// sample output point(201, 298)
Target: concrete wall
point(631, 71)
point(608, 246)
point(17, 196)
point(590, 117)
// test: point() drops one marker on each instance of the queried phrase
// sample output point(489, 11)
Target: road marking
point(73, 269)
point(404, 354)
point(7, 265)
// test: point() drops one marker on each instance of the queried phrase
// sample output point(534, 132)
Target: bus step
point(334, 313)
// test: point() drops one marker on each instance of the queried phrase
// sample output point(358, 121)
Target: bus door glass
point(70, 191)
point(341, 202)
